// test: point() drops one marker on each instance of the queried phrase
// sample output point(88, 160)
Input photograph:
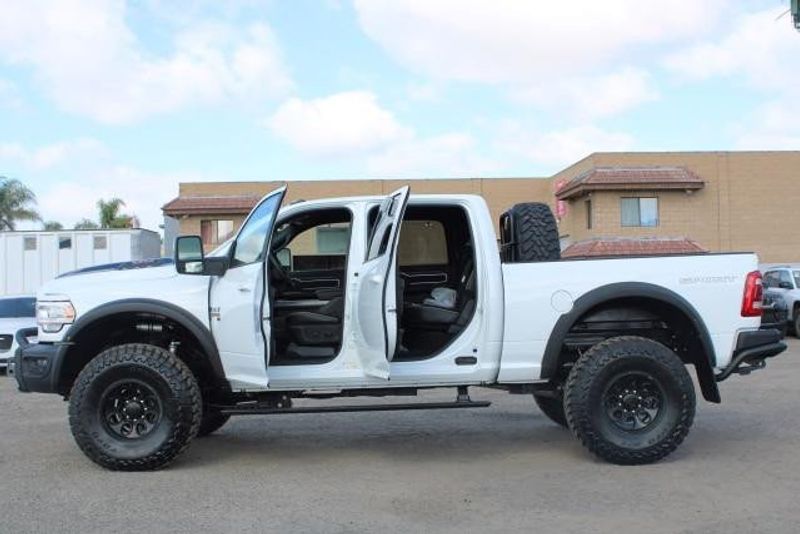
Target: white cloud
point(761, 53)
point(423, 92)
point(453, 154)
point(478, 41)
point(342, 124)
point(85, 57)
point(48, 156)
point(70, 199)
point(69, 177)
point(10, 97)
point(590, 97)
point(561, 147)
point(353, 125)
point(759, 48)
point(528, 46)
point(772, 126)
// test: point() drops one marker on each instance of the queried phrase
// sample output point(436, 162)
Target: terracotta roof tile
point(643, 246)
point(210, 204)
point(629, 178)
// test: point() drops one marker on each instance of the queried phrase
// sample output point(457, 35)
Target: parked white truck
point(416, 296)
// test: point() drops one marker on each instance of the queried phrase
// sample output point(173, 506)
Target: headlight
point(52, 316)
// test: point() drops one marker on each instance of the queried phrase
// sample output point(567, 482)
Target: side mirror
point(284, 256)
point(189, 258)
point(785, 285)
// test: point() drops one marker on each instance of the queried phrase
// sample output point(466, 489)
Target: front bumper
point(753, 347)
point(36, 366)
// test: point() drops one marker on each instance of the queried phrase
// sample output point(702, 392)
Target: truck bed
point(538, 294)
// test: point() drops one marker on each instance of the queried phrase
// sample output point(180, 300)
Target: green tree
point(52, 226)
point(16, 203)
point(86, 224)
point(110, 216)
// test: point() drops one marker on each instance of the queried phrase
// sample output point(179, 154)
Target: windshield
point(221, 250)
point(251, 240)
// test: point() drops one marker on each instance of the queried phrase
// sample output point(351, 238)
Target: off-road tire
point(552, 407)
point(535, 233)
point(588, 389)
point(172, 384)
point(211, 421)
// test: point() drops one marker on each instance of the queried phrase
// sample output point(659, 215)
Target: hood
point(112, 279)
point(121, 266)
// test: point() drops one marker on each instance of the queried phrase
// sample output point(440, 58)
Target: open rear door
point(376, 298)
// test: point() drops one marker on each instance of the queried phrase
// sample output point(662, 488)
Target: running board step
point(270, 410)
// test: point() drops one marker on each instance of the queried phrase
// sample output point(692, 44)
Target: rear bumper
point(35, 366)
point(753, 347)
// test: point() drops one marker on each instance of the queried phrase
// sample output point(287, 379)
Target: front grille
point(5, 341)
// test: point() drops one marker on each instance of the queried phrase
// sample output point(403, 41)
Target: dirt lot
point(498, 469)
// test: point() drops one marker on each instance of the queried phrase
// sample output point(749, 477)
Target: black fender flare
point(156, 307)
point(704, 365)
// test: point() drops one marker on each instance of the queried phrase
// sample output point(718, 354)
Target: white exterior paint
point(712, 284)
point(517, 307)
point(24, 271)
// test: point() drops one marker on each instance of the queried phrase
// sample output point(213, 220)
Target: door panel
point(376, 299)
point(420, 280)
point(239, 304)
point(318, 279)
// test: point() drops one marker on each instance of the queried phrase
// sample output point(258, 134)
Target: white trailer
point(29, 259)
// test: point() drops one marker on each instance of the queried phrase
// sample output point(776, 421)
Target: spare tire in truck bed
point(528, 232)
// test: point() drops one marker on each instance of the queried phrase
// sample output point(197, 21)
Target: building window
point(216, 231)
point(100, 242)
point(639, 211)
point(589, 214)
point(64, 242)
point(29, 243)
point(333, 239)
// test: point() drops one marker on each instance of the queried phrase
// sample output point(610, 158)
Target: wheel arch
point(703, 357)
point(208, 364)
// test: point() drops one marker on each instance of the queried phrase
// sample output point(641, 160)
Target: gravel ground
point(495, 469)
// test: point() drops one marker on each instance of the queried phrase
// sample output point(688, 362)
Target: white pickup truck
point(375, 296)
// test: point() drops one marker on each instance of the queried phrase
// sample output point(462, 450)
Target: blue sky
point(102, 98)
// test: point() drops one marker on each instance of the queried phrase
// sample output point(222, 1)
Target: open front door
point(376, 298)
point(239, 299)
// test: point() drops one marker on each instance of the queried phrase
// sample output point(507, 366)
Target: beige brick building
point(721, 201)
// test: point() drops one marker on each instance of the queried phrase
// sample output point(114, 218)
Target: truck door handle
point(243, 289)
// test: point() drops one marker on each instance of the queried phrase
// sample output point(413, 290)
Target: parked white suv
point(785, 281)
point(384, 296)
point(16, 313)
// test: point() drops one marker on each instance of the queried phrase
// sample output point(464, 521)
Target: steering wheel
point(278, 273)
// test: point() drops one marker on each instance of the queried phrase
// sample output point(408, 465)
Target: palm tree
point(16, 203)
point(110, 217)
point(86, 224)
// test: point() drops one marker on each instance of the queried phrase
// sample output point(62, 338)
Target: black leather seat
point(430, 314)
point(320, 327)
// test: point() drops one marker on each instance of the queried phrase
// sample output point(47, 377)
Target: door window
point(251, 242)
point(422, 243)
point(320, 248)
point(771, 279)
